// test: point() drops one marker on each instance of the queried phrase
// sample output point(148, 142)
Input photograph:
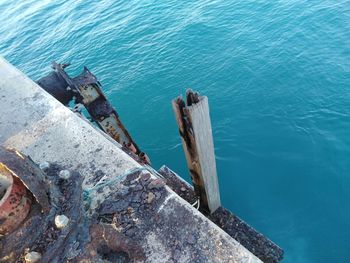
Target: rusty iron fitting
point(145, 159)
point(14, 202)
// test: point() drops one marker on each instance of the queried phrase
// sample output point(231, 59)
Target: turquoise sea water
point(277, 74)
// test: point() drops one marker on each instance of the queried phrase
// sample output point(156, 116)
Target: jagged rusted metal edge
point(28, 172)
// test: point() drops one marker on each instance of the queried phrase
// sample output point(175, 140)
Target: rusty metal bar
point(87, 90)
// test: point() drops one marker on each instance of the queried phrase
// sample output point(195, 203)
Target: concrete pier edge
point(33, 122)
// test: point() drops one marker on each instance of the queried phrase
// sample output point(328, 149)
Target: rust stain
point(109, 244)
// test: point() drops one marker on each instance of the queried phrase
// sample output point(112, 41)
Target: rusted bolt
point(32, 257)
point(131, 147)
point(14, 201)
point(144, 158)
point(61, 221)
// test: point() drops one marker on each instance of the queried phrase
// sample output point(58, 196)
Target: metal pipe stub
point(14, 201)
point(21, 184)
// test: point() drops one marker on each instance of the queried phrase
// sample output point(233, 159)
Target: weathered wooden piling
point(194, 124)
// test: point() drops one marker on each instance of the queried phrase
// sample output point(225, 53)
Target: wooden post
point(197, 140)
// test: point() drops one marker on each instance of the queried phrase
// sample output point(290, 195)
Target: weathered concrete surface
point(35, 123)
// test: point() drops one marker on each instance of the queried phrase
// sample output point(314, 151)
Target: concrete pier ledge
point(165, 227)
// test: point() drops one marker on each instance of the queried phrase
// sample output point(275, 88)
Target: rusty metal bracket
point(87, 90)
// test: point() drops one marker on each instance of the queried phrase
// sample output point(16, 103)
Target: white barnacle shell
point(61, 221)
point(32, 257)
point(64, 174)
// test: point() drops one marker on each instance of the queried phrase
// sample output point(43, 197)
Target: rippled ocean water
point(277, 74)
